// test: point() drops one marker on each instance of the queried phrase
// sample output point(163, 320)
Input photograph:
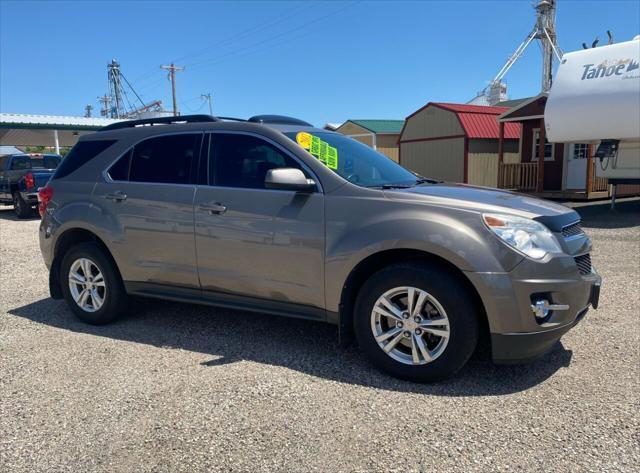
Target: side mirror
point(289, 179)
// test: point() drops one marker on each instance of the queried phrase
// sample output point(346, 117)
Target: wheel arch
point(382, 259)
point(64, 242)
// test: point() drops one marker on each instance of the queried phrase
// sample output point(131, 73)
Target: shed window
point(548, 147)
point(580, 151)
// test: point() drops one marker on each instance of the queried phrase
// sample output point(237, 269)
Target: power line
point(279, 35)
point(246, 33)
point(241, 35)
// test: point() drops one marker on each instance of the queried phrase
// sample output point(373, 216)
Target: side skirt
point(227, 301)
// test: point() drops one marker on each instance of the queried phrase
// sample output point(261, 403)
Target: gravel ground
point(176, 387)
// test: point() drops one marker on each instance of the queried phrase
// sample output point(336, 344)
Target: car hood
point(485, 199)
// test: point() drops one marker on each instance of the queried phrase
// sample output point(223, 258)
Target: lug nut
point(417, 319)
point(399, 324)
point(405, 315)
point(407, 334)
point(418, 331)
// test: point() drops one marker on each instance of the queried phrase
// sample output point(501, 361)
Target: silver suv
point(275, 216)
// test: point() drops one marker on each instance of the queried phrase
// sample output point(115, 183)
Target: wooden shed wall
point(439, 159)
point(349, 128)
point(388, 145)
point(385, 144)
point(431, 122)
point(483, 160)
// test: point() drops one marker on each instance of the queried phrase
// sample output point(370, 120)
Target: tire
point(21, 206)
point(426, 329)
point(114, 296)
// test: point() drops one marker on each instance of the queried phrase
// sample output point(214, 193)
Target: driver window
point(237, 160)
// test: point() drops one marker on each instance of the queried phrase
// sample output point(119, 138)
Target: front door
point(148, 198)
point(252, 241)
point(576, 174)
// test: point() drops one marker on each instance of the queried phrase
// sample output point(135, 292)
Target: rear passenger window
point(20, 162)
point(120, 170)
point(243, 161)
point(165, 159)
point(80, 154)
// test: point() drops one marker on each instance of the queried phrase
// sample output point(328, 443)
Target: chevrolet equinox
point(275, 216)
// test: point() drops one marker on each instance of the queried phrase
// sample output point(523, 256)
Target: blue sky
point(320, 61)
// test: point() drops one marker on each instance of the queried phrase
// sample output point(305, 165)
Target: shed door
point(577, 166)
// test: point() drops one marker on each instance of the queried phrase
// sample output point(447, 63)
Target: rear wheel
point(91, 285)
point(416, 322)
point(21, 206)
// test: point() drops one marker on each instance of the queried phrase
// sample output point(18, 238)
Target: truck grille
point(584, 263)
point(572, 230)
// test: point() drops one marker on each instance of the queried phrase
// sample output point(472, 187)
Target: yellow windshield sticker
point(304, 139)
point(322, 150)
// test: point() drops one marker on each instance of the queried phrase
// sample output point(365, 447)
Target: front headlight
point(525, 235)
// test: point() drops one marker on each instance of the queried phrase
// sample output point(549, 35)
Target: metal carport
point(46, 130)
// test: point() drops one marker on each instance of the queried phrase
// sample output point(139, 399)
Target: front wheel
point(91, 285)
point(416, 322)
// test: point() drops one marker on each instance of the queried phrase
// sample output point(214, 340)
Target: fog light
point(541, 308)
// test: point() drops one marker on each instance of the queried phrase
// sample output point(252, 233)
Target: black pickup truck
point(20, 177)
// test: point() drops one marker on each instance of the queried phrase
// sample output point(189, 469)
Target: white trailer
point(595, 98)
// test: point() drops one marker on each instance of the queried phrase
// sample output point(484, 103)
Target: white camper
point(595, 98)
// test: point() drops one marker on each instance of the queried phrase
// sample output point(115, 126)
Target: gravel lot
point(176, 387)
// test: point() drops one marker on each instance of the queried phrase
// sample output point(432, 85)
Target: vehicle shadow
point(625, 214)
point(7, 213)
point(309, 347)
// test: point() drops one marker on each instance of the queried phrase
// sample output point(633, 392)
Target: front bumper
point(516, 334)
point(512, 348)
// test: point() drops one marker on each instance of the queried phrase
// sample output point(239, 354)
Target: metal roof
point(9, 150)
point(380, 126)
point(512, 102)
point(480, 121)
point(466, 108)
point(53, 122)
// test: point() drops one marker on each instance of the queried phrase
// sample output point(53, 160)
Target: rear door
point(148, 193)
point(252, 241)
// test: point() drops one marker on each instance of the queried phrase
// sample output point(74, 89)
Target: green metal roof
point(380, 126)
point(512, 103)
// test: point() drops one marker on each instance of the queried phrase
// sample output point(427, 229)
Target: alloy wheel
point(410, 325)
point(87, 285)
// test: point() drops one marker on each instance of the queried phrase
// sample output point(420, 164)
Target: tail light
point(44, 197)
point(29, 181)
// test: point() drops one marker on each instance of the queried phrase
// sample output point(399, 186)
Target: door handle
point(117, 196)
point(216, 208)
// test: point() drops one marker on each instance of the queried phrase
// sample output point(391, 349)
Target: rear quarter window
point(80, 154)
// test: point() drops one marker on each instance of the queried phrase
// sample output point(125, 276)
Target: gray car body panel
point(291, 249)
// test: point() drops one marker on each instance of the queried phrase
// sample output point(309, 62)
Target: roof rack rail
point(160, 120)
point(232, 119)
point(278, 119)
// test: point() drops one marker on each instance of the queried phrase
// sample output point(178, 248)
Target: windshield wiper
point(426, 180)
point(396, 186)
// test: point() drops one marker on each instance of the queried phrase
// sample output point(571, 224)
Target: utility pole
point(87, 110)
point(172, 77)
point(207, 97)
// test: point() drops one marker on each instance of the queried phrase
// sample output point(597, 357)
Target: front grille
point(572, 230)
point(584, 263)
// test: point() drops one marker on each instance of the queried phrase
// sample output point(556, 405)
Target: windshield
point(354, 161)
